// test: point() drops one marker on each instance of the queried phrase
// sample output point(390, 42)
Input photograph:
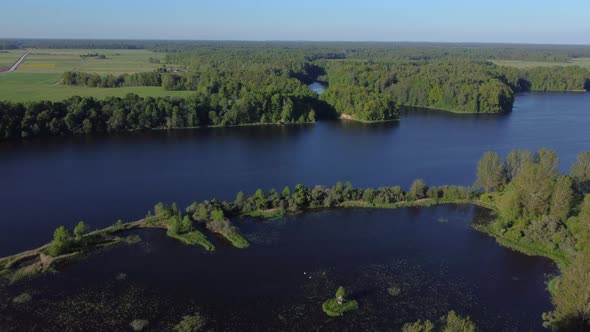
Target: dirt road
point(17, 63)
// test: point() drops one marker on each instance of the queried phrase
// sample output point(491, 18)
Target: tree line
point(542, 211)
point(458, 85)
point(391, 50)
point(238, 82)
point(556, 78)
point(84, 115)
point(463, 86)
point(111, 81)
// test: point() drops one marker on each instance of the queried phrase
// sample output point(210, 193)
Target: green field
point(8, 58)
point(582, 62)
point(116, 62)
point(37, 77)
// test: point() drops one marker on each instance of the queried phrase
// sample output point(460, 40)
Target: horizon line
point(296, 41)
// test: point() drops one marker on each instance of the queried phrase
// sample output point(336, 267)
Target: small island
point(338, 306)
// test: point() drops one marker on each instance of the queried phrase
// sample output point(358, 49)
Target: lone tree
point(80, 230)
point(534, 186)
point(418, 189)
point(490, 171)
point(62, 241)
point(260, 200)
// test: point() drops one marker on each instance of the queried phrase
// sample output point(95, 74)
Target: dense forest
point(236, 83)
point(366, 81)
point(79, 115)
point(461, 86)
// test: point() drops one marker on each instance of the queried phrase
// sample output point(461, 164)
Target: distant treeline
point(459, 86)
point(77, 43)
point(241, 82)
point(111, 81)
point(366, 82)
point(78, 115)
point(557, 78)
point(333, 50)
point(464, 86)
point(419, 51)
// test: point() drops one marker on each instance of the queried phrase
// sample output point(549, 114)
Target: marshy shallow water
point(432, 255)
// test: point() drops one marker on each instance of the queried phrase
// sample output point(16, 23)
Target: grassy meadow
point(37, 77)
point(8, 58)
point(582, 62)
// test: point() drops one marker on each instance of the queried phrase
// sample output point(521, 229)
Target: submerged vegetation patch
point(23, 298)
point(139, 324)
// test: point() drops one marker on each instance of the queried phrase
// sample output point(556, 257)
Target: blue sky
point(513, 21)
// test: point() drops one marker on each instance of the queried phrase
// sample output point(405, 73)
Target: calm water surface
point(55, 181)
point(279, 283)
point(430, 253)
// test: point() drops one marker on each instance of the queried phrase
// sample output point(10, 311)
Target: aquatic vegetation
point(64, 248)
point(455, 323)
point(270, 214)
point(449, 323)
point(139, 324)
point(419, 326)
point(23, 298)
point(191, 323)
point(394, 291)
point(132, 239)
point(229, 231)
point(193, 237)
point(338, 306)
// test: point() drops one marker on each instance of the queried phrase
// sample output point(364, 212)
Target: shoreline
point(36, 261)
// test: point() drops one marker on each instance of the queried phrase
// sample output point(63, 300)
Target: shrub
point(23, 298)
point(455, 323)
point(80, 230)
point(139, 324)
point(191, 323)
point(418, 326)
point(394, 291)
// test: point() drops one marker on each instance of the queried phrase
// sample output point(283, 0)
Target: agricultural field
point(38, 76)
point(582, 62)
point(8, 58)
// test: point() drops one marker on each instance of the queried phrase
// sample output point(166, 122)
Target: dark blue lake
point(53, 181)
point(431, 253)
